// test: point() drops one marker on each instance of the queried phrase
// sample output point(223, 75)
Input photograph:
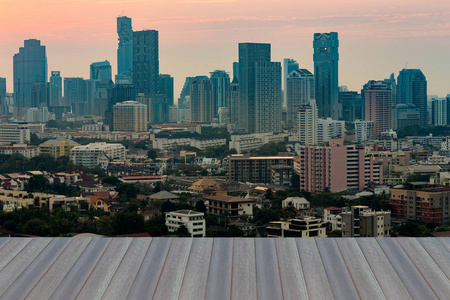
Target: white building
point(168, 144)
point(333, 216)
point(299, 90)
point(307, 123)
point(193, 220)
point(23, 149)
point(299, 203)
point(363, 131)
point(248, 142)
point(96, 155)
point(329, 129)
point(15, 133)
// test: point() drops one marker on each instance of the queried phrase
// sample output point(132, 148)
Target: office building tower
point(220, 81)
point(362, 221)
point(329, 129)
point(159, 109)
point(201, 100)
point(412, 89)
point(378, 106)
point(185, 93)
point(30, 66)
point(74, 90)
point(440, 112)
point(116, 94)
point(299, 90)
point(405, 115)
point(130, 116)
point(363, 131)
point(233, 102)
point(125, 49)
point(101, 71)
point(289, 65)
point(352, 106)
point(145, 62)
point(2, 88)
point(307, 123)
point(55, 89)
point(249, 55)
point(337, 167)
point(236, 70)
point(165, 87)
point(326, 58)
point(38, 94)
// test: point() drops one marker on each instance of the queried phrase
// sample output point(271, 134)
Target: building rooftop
point(233, 268)
point(228, 199)
point(162, 195)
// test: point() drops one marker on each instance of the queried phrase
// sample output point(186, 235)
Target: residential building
point(2, 88)
point(302, 228)
point(421, 203)
point(169, 144)
point(362, 221)
point(30, 67)
point(389, 159)
point(165, 87)
point(15, 133)
point(332, 215)
point(164, 196)
point(259, 89)
point(57, 147)
point(440, 112)
point(194, 221)
point(183, 100)
point(289, 65)
point(220, 81)
point(378, 98)
point(74, 91)
point(255, 169)
point(208, 187)
point(125, 47)
point(337, 167)
point(326, 59)
point(130, 116)
point(145, 62)
point(299, 203)
point(97, 155)
point(233, 102)
point(248, 142)
point(55, 89)
point(405, 115)
point(299, 90)
point(229, 207)
point(307, 123)
point(352, 106)
point(281, 175)
point(101, 71)
point(412, 89)
point(329, 129)
point(202, 107)
point(28, 151)
point(364, 131)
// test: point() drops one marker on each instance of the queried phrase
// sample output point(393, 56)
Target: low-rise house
point(333, 216)
point(208, 187)
point(229, 207)
point(362, 221)
point(299, 203)
point(194, 221)
point(164, 196)
point(304, 227)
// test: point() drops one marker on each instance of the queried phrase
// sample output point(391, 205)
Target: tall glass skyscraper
point(125, 49)
point(101, 71)
point(145, 62)
point(201, 100)
point(165, 87)
point(289, 65)
point(412, 89)
point(220, 81)
point(2, 88)
point(55, 89)
point(30, 67)
point(326, 58)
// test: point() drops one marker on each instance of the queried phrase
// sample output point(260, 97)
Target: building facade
point(130, 116)
point(202, 106)
point(146, 62)
point(307, 123)
point(361, 221)
point(378, 106)
point(125, 47)
point(97, 155)
point(194, 222)
point(55, 89)
point(165, 87)
point(233, 102)
point(289, 65)
point(412, 89)
point(57, 147)
point(220, 81)
point(229, 207)
point(364, 131)
point(299, 90)
point(101, 71)
point(303, 228)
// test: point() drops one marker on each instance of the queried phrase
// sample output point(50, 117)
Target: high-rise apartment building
point(30, 67)
point(184, 99)
point(405, 115)
point(201, 100)
point(2, 88)
point(337, 167)
point(352, 106)
point(440, 112)
point(145, 62)
point(299, 90)
point(125, 48)
point(159, 109)
point(326, 58)
point(249, 55)
point(165, 87)
point(130, 116)
point(378, 106)
point(74, 90)
point(236, 70)
point(362, 221)
point(233, 102)
point(307, 123)
point(412, 89)
point(289, 65)
point(363, 131)
point(220, 81)
point(55, 89)
point(39, 94)
point(329, 129)
point(101, 71)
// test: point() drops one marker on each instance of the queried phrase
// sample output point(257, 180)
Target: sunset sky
point(198, 36)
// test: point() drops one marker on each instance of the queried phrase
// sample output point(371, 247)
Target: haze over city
point(197, 37)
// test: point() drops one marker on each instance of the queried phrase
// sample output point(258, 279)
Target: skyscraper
point(101, 71)
point(145, 62)
point(55, 89)
point(201, 100)
point(307, 123)
point(185, 92)
point(233, 102)
point(130, 116)
point(378, 106)
point(352, 106)
point(326, 58)
point(236, 70)
point(165, 87)
point(289, 65)
point(260, 89)
point(125, 49)
point(30, 66)
point(299, 90)
point(74, 90)
point(2, 87)
point(440, 115)
point(220, 81)
point(412, 89)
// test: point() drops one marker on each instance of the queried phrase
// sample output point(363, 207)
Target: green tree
point(200, 206)
point(36, 227)
point(125, 222)
point(182, 231)
point(295, 180)
point(168, 206)
point(112, 180)
point(105, 225)
point(204, 172)
point(152, 154)
point(234, 231)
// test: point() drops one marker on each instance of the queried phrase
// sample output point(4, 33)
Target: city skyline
point(195, 43)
